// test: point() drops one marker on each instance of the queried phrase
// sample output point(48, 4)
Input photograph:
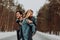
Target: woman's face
point(18, 15)
point(31, 14)
point(28, 13)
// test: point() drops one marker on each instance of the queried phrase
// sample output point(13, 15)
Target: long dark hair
point(20, 12)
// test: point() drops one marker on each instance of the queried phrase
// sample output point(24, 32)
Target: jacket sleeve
point(17, 21)
point(34, 21)
point(31, 25)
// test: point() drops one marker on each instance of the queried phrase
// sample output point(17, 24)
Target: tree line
point(48, 19)
point(7, 15)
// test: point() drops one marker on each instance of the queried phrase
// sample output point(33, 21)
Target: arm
point(34, 21)
point(17, 20)
point(31, 25)
point(29, 21)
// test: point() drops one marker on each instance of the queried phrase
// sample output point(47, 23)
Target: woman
point(26, 27)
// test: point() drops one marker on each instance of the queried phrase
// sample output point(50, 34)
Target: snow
point(45, 36)
point(6, 34)
point(37, 36)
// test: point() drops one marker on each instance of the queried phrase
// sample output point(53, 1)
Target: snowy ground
point(37, 36)
point(6, 34)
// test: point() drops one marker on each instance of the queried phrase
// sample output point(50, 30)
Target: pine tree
point(50, 15)
point(54, 11)
point(42, 19)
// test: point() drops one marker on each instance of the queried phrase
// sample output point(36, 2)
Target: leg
point(21, 34)
point(18, 38)
point(30, 34)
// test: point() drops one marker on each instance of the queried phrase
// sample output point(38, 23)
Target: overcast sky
point(35, 5)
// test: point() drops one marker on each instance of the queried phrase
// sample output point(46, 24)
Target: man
point(19, 21)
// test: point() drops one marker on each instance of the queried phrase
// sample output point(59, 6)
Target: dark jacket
point(33, 19)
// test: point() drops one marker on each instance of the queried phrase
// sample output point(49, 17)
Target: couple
point(27, 24)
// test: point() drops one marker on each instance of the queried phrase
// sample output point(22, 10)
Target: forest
point(48, 18)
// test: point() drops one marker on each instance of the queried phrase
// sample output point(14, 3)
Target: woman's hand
point(29, 21)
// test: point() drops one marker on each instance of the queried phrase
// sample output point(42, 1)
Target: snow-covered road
point(37, 36)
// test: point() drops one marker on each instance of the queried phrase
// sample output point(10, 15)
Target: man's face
point(18, 15)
